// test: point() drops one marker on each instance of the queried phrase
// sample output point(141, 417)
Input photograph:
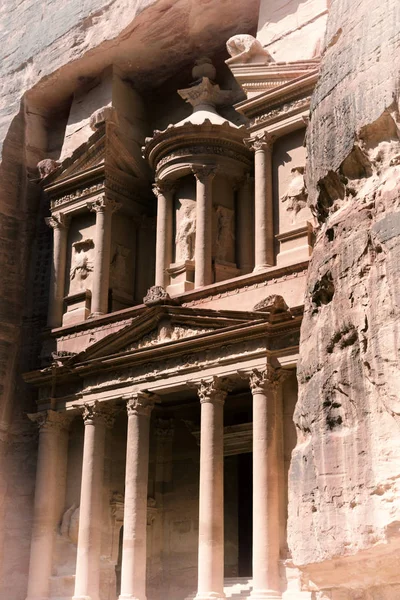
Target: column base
point(261, 268)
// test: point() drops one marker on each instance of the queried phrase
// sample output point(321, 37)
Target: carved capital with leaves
point(163, 188)
point(98, 412)
point(58, 220)
point(103, 204)
point(140, 404)
point(213, 391)
point(261, 142)
point(51, 420)
point(204, 173)
point(267, 380)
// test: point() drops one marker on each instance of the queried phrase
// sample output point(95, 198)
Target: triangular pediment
point(161, 326)
point(103, 148)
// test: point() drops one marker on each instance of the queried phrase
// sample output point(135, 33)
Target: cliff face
point(344, 514)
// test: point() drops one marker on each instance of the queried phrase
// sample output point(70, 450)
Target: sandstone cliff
point(344, 514)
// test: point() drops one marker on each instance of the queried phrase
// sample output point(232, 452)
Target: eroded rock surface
point(344, 516)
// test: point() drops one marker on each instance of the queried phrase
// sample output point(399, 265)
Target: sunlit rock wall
point(344, 513)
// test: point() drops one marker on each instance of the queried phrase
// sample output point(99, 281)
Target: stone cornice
point(275, 338)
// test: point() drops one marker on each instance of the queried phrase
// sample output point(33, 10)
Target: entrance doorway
point(245, 513)
point(238, 473)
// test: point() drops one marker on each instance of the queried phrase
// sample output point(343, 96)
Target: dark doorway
point(245, 513)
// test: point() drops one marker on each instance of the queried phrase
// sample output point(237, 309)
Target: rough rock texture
point(344, 515)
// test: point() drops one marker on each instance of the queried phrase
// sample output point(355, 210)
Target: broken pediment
point(162, 325)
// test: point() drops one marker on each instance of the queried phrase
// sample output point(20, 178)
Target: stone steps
point(235, 588)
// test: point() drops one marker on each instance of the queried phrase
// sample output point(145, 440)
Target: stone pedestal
point(211, 510)
point(266, 481)
point(133, 571)
point(87, 580)
point(49, 499)
point(59, 223)
point(203, 246)
point(164, 193)
point(181, 276)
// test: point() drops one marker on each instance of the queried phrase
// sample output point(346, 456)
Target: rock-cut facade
point(199, 334)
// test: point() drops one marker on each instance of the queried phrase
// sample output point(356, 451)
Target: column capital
point(140, 403)
point(269, 379)
point(164, 429)
point(204, 173)
point(51, 420)
point(103, 204)
point(261, 142)
point(162, 188)
point(212, 391)
point(98, 412)
point(58, 220)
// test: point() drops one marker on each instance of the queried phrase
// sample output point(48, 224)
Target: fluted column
point(49, 500)
point(104, 208)
point(245, 225)
point(164, 191)
point(211, 490)
point(203, 246)
point(133, 570)
point(263, 201)
point(87, 580)
point(266, 493)
point(59, 223)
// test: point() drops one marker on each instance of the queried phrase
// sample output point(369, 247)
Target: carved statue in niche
point(225, 233)
point(186, 231)
point(296, 195)
point(81, 264)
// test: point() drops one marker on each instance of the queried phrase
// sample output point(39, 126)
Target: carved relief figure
point(81, 263)
point(186, 231)
point(225, 236)
point(296, 194)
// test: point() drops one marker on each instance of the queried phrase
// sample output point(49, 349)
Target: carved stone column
point(245, 225)
point(163, 190)
point(49, 498)
point(203, 246)
point(59, 223)
point(211, 509)
point(133, 571)
point(104, 209)
point(266, 478)
point(263, 200)
point(87, 580)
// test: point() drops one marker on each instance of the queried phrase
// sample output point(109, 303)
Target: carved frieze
point(281, 111)
point(76, 195)
point(208, 149)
